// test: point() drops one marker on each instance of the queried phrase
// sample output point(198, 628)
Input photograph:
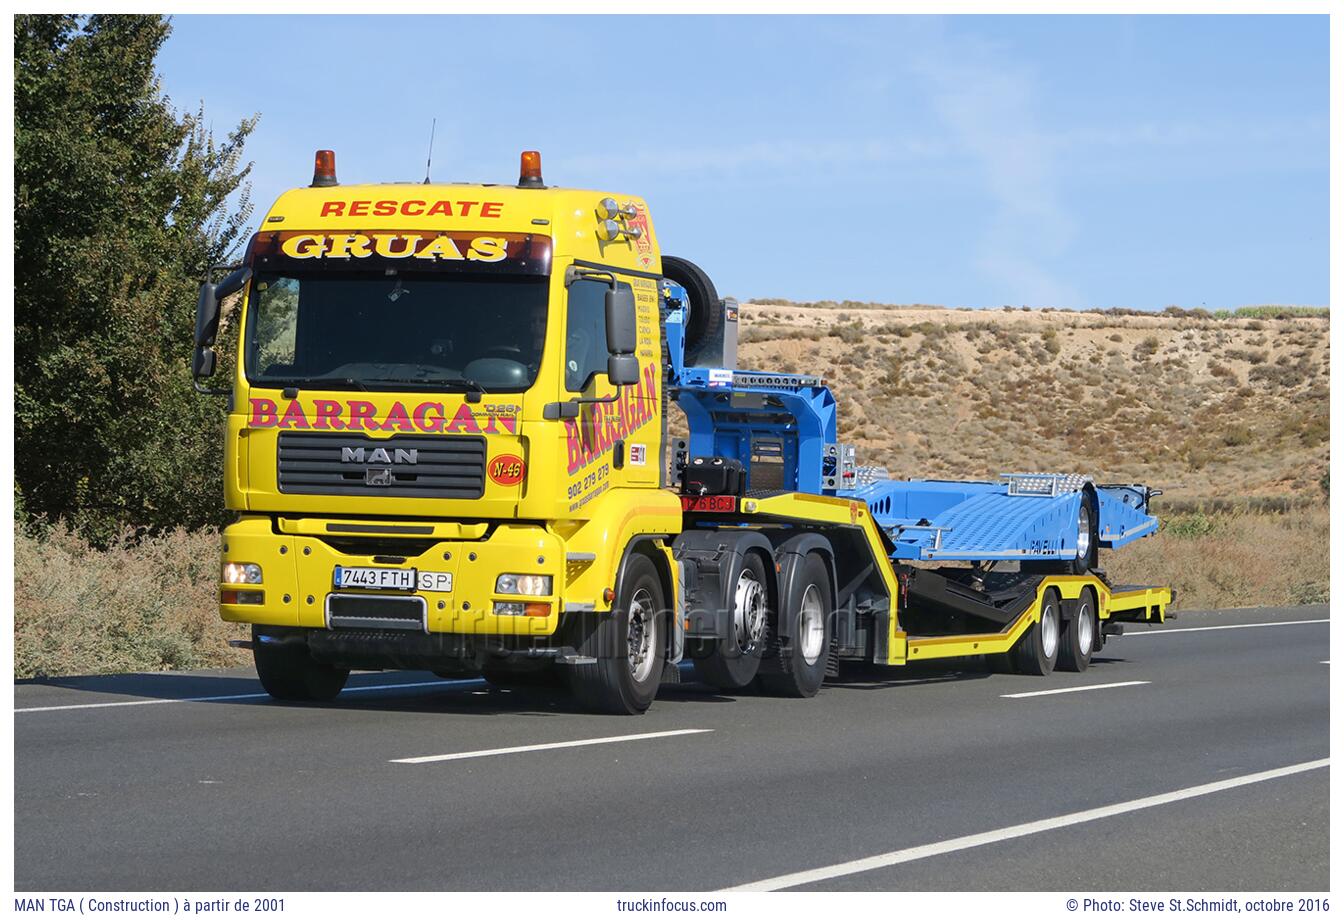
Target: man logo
point(378, 477)
point(378, 455)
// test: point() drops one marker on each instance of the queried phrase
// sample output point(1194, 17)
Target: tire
point(522, 674)
point(798, 667)
point(288, 672)
point(617, 682)
point(732, 663)
point(1080, 634)
point(1038, 650)
point(1086, 558)
point(704, 313)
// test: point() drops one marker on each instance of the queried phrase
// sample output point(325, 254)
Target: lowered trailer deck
point(892, 613)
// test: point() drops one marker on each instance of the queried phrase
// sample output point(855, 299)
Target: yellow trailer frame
point(1134, 604)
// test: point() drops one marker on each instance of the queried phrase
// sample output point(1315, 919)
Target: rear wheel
point(288, 672)
point(729, 664)
point(627, 645)
point(1080, 634)
point(797, 667)
point(1038, 650)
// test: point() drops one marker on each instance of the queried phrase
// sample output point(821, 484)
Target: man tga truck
point(447, 449)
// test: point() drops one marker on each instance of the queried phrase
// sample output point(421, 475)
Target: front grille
point(450, 466)
point(372, 611)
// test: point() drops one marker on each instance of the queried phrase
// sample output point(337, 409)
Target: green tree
point(120, 203)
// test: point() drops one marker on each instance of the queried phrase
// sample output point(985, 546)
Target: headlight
point(241, 573)
point(535, 585)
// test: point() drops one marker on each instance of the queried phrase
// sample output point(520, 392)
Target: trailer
point(448, 448)
point(913, 570)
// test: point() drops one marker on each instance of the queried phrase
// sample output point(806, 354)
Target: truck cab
point(445, 428)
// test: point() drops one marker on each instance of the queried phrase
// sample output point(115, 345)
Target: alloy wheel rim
point(1084, 530)
point(1085, 630)
point(640, 638)
point(1049, 631)
point(812, 625)
point(748, 611)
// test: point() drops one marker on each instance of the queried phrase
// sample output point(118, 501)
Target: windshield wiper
point(309, 383)
point(433, 383)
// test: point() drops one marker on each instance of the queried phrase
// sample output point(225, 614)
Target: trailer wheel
point(1080, 634)
point(730, 664)
point(288, 672)
point(627, 645)
point(798, 668)
point(1038, 650)
point(704, 313)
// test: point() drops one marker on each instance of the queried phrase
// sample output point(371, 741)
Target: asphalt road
point(239, 792)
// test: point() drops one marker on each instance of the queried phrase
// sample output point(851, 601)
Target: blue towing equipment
point(918, 569)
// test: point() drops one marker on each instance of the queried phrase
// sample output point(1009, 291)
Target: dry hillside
point(1203, 407)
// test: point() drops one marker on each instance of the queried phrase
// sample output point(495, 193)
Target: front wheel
point(626, 644)
point(288, 672)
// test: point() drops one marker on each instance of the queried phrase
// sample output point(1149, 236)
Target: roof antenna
point(430, 158)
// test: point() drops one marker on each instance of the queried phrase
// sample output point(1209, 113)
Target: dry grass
point(147, 606)
point(1233, 560)
point(1200, 407)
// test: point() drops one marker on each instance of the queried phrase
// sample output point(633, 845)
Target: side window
point(275, 309)
point(586, 333)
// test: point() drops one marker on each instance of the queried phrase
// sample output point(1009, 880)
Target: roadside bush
point(1189, 526)
point(147, 605)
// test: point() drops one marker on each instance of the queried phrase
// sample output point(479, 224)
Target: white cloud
point(988, 103)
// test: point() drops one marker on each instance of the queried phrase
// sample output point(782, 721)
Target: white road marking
point(897, 857)
point(465, 755)
point(1162, 631)
point(1123, 683)
point(243, 696)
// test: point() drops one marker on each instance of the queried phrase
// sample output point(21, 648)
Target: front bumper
point(297, 570)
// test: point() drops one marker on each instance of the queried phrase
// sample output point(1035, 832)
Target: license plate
point(721, 503)
point(347, 576)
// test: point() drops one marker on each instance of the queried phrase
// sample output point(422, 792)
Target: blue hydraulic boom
point(782, 429)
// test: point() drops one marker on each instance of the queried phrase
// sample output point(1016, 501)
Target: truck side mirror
point(207, 315)
point(622, 336)
point(203, 362)
point(621, 331)
point(207, 303)
point(622, 370)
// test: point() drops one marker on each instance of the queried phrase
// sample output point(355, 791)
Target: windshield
point(395, 329)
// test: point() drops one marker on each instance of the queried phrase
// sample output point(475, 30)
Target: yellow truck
point(447, 448)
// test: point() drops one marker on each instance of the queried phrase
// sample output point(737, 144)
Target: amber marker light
point(324, 169)
point(529, 170)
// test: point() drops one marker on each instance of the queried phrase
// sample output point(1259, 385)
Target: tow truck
point(447, 448)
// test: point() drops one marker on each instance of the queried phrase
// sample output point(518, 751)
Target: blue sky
point(1068, 161)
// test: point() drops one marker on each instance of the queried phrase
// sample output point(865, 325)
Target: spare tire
point(704, 312)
